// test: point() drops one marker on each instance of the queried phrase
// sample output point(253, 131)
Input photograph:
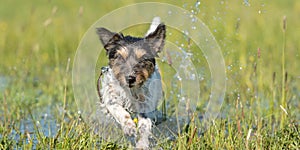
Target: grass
point(38, 42)
point(284, 73)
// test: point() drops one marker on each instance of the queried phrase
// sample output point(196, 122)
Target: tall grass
point(284, 74)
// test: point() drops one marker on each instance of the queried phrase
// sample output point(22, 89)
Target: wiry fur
point(132, 82)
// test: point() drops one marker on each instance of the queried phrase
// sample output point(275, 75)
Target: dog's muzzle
point(130, 80)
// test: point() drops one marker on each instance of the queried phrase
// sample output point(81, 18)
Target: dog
point(130, 87)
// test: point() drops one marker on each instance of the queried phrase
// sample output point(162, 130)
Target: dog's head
point(132, 59)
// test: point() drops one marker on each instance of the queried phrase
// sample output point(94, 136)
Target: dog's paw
point(144, 126)
point(144, 131)
point(142, 144)
point(129, 128)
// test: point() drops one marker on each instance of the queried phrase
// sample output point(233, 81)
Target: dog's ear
point(156, 39)
point(107, 36)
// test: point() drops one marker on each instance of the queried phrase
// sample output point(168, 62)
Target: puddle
point(4, 81)
point(46, 125)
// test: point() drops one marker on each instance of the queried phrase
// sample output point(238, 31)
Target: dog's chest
point(142, 100)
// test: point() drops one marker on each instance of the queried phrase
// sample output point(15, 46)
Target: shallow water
point(4, 81)
point(46, 125)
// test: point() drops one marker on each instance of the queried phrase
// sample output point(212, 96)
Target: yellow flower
point(135, 120)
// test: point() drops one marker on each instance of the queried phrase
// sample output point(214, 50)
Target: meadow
point(259, 41)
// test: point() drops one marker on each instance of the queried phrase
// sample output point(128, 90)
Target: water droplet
point(193, 27)
point(229, 67)
point(193, 76)
point(197, 4)
point(179, 78)
point(246, 3)
point(259, 11)
point(182, 98)
point(169, 12)
point(186, 32)
point(189, 54)
point(248, 89)
point(192, 11)
point(201, 78)
point(194, 19)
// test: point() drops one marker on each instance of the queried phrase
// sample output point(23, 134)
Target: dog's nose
point(130, 79)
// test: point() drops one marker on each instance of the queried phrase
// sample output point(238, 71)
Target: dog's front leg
point(123, 118)
point(144, 131)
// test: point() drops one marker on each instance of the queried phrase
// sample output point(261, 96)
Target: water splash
point(197, 6)
point(246, 3)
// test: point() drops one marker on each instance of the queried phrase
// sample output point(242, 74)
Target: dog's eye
point(120, 57)
point(147, 61)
